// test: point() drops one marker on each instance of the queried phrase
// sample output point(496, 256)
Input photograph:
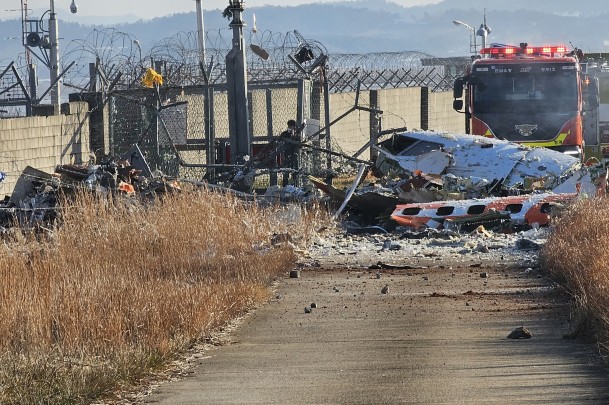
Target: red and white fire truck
point(536, 96)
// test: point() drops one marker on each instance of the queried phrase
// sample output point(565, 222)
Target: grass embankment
point(577, 255)
point(118, 289)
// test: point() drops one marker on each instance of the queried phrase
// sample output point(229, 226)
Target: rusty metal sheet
point(25, 184)
point(369, 202)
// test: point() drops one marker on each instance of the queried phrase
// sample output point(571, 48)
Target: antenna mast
point(24, 30)
point(200, 32)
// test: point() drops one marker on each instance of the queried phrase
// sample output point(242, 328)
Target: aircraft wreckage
point(439, 180)
point(426, 180)
point(477, 165)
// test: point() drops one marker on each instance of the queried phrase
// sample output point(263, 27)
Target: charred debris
point(423, 181)
point(439, 181)
point(35, 197)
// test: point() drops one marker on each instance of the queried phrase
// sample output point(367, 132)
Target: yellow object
point(560, 139)
point(480, 230)
point(152, 78)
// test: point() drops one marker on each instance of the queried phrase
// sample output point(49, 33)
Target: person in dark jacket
point(289, 150)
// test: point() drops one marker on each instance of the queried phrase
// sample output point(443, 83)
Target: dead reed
point(119, 287)
point(577, 254)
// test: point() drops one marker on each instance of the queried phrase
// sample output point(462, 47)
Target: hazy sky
point(149, 8)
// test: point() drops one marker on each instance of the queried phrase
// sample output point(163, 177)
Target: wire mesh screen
point(174, 123)
point(129, 115)
point(270, 110)
point(193, 153)
point(169, 123)
point(258, 113)
point(173, 128)
point(158, 125)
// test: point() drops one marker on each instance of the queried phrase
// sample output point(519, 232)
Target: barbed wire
point(270, 58)
point(111, 50)
point(120, 62)
point(382, 60)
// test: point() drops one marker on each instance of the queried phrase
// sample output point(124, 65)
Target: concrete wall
point(43, 143)
point(442, 117)
point(353, 131)
point(414, 108)
point(401, 108)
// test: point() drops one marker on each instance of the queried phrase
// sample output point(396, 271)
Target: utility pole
point(201, 32)
point(54, 56)
point(32, 78)
point(236, 79)
point(24, 28)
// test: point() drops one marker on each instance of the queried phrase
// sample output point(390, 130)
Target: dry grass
point(346, 182)
point(577, 254)
point(118, 288)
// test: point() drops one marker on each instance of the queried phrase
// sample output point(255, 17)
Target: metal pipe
point(201, 32)
point(236, 80)
point(358, 178)
point(54, 56)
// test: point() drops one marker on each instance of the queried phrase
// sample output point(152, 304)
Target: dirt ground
point(437, 334)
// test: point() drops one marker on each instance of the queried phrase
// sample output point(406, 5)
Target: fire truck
point(596, 122)
point(537, 96)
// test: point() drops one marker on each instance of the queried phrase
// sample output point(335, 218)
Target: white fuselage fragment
point(474, 156)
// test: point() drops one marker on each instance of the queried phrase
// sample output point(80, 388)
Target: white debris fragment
point(467, 156)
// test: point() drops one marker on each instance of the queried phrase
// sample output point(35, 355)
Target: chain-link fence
point(184, 132)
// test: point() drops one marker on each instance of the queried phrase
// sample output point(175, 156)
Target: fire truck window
point(564, 87)
point(543, 92)
point(524, 88)
point(479, 84)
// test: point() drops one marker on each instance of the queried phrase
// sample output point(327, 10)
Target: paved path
point(437, 337)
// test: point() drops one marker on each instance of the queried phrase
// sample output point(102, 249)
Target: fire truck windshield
point(529, 92)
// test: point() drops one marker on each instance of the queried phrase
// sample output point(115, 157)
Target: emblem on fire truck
point(526, 129)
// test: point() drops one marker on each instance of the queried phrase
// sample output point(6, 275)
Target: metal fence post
point(303, 101)
point(424, 108)
point(270, 133)
point(327, 124)
point(301, 113)
point(375, 123)
point(33, 84)
point(112, 123)
point(92, 77)
point(236, 79)
point(209, 130)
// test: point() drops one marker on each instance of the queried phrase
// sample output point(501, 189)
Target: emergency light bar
point(529, 51)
